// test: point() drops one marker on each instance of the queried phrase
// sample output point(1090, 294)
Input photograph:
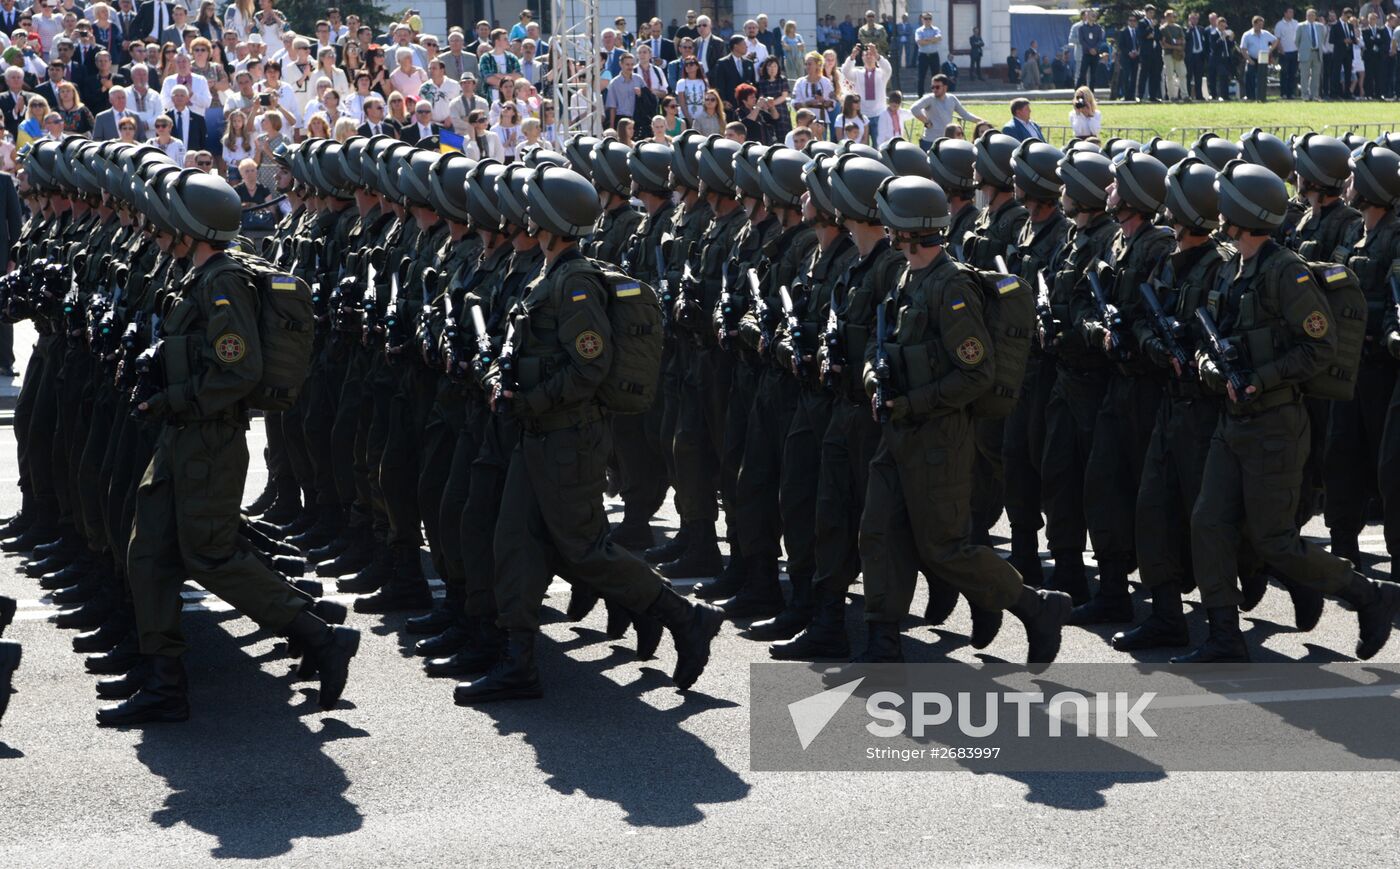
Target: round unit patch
point(589, 344)
point(1315, 325)
point(230, 348)
point(971, 351)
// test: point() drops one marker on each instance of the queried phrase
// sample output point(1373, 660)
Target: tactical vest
point(1320, 234)
point(995, 234)
point(853, 298)
point(1371, 260)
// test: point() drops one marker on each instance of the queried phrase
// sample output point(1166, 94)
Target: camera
point(264, 100)
point(1079, 103)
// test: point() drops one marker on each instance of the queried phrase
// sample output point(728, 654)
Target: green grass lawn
point(1228, 119)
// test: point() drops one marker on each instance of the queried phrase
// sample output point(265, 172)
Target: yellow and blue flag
point(449, 142)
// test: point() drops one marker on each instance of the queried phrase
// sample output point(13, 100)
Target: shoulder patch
point(1334, 274)
point(283, 283)
point(627, 290)
point(958, 304)
point(220, 300)
point(579, 295)
point(589, 344)
point(971, 351)
point(1006, 284)
point(230, 348)
point(1303, 277)
point(1315, 325)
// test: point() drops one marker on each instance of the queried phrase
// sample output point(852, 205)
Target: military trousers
point(403, 449)
point(1249, 494)
point(846, 450)
point(699, 441)
point(645, 478)
point(1389, 472)
point(187, 518)
point(322, 395)
point(758, 517)
point(1171, 482)
point(1069, 435)
point(553, 523)
point(797, 484)
point(1351, 464)
point(918, 510)
point(493, 450)
point(1023, 447)
point(343, 430)
point(1122, 430)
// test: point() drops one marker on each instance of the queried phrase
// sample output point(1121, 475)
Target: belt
point(562, 419)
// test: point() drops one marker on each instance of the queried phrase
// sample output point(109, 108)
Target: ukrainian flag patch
point(626, 291)
point(220, 300)
point(959, 305)
point(1336, 273)
point(1303, 278)
point(578, 295)
point(1006, 285)
point(284, 283)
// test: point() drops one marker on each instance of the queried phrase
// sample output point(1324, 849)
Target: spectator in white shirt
point(480, 142)
point(891, 121)
point(1085, 119)
point(141, 100)
point(757, 50)
point(283, 99)
point(468, 101)
point(195, 84)
point(439, 90)
point(507, 97)
point(868, 83)
point(814, 90)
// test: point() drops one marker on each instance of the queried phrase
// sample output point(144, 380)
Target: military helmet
point(820, 146)
point(717, 165)
point(1192, 200)
point(993, 163)
point(650, 165)
point(1375, 175)
point(1035, 168)
point(561, 201)
point(1141, 181)
point(482, 204)
point(447, 186)
point(1215, 151)
point(388, 169)
point(746, 169)
point(510, 195)
point(282, 153)
point(91, 179)
point(780, 176)
point(1323, 161)
point(951, 161)
point(310, 165)
point(1083, 145)
point(1114, 145)
point(685, 159)
point(858, 148)
point(204, 207)
point(415, 176)
point(64, 173)
point(39, 164)
point(816, 175)
point(579, 150)
point(854, 180)
point(1267, 150)
point(351, 160)
point(538, 155)
point(1353, 140)
point(1086, 175)
point(369, 161)
point(905, 158)
point(1251, 197)
point(333, 169)
point(1169, 152)
point(148, 193)
point(913, 205)
point(609, 164)
point(1389, 139)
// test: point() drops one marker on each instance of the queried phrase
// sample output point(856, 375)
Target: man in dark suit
point(735, 69)
point(1021, 127)
point(10, 220)
point(49, 89)
point(375, 122)
point(189, 124)
point(708, 47)
point(104, 126)
point(1342, 37)
point(9, 16)
point(152, 18)
point(14, 102)
point(1197, 53)
point(1128, 55)
point(675, 70)
point(662, 49)
point(1150, 56)
point(422, 133)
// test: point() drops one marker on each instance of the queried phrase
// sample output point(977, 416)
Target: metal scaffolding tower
point(574, 58)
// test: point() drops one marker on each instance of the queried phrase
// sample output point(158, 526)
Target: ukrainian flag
point(449, 142)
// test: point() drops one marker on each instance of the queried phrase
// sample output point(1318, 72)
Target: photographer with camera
point(1085, 119)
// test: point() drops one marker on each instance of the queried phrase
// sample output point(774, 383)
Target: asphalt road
point(613, 767)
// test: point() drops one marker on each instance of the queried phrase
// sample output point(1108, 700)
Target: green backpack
point(286, 330)
point(1008, 306)
point(634, 312)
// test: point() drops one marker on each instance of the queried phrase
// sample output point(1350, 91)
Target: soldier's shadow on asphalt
point(594, 736)
point(246, 768)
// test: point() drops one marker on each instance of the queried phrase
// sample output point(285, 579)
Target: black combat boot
point(356, 557)
point(693, 626)
point(729, 582)
point(287, 565)
point(986, 624)
point(76, 594)
point(668, 550)
point(760, 597)
point(794, 617)
point(330, 519)
point(60, 544)
point(941, 601)
point(42, 531)
point(163, 698)
point(1376, 602)
point(450, 640)
point(513, 677)
point(485, 645)
point(441, 618)
point(1307, 605)
point(582, 600)
point(883, 644)
point(1112, 605)
point(264, 501)
point(329, 648)
point(51, 563)
point(333, 548)
point(14, 525)
point(310, 512)
point(1044, 614)
point(373, 575)
point(1025, 556)
point(405, 590)
point(1165, 628)
point(824, 637)
point(701, 557)
point(1346, 545)
point(1224, 644)
point(619, 620)
point(72, 574)
point(1069, 576)
point(1253, 586)
point(86, 616)
point(635, 537)
point(8, 607)
point(117, 660)
point(109, 634)
point(124, 685)
point(286, 507)
point(10, 655)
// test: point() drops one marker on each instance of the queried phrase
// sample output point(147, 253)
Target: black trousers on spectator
point(1195, 72)
point(976, 67)
point(1288, 76)
point(1220, 74)
point(1373, 76)
point(930, 64)
point(1087, 70)
point(1127, 79)
point(1150, 77)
